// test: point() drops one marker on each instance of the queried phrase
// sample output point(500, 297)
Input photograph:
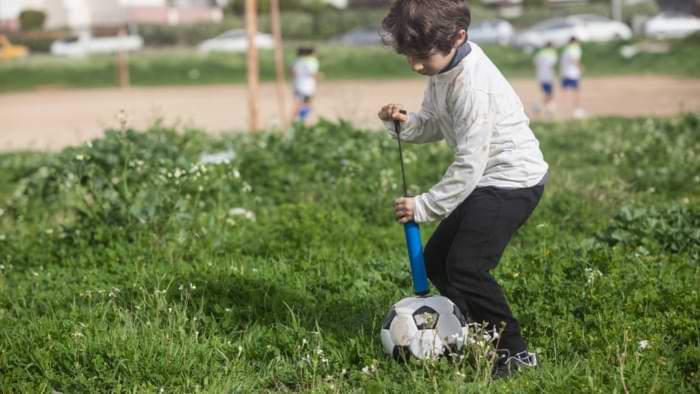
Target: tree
point(32, 20)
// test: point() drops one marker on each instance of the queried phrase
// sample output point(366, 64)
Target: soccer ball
point(423, 327)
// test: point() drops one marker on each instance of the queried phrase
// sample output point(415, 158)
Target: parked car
point(671, 25)
point(86, 44)
point(491, 32)
point(235, 41)
point(9, 51)
point(360, 36)
point(586, 28)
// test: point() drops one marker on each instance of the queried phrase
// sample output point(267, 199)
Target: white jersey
point(544, 61)
point(570, 62)
point(305, 70)
point(476, 111)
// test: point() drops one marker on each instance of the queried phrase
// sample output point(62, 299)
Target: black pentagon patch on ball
point(460, 317)
point(426, 318)
point(389, 317)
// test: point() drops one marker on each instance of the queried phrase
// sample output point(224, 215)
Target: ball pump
point(412, 232)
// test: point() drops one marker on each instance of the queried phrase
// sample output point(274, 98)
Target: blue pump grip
point(415, 255)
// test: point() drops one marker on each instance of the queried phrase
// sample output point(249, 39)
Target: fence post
point(123, 64)
point(253, 85)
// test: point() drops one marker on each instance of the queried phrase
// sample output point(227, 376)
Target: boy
point(498, 173)
point(305, 70)
point(571, 71)
point(545, 60)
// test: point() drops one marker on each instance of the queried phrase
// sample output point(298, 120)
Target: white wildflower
point(238, 211)
point(3, 237)
point(246, 188)
point(644, 344)
point(592, 275)
point(122, 119)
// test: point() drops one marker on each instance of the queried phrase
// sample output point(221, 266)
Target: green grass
point(184, 67)
point(123, 267)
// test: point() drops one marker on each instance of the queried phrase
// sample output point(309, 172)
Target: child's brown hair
point(417, 27)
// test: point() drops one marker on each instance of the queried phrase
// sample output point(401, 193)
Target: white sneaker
point(507, 365)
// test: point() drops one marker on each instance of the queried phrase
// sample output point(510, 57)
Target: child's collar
point(461, 52)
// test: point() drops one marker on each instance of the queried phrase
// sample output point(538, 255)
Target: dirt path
point(52, 119)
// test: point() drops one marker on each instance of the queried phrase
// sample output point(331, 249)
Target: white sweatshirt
point(476, 111)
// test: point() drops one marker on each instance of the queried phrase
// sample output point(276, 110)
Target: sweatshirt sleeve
point(473, 123)
point(422, 126)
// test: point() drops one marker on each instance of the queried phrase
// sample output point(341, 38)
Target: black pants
point(468, 244)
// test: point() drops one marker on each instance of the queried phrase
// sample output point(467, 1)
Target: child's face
point(430, 64)
point(435, 61)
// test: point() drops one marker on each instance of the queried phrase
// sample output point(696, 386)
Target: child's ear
point(461, 38)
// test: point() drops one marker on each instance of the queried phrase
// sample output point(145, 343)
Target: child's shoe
point(507, 365)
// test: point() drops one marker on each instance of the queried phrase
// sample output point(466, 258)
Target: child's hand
point(403, 209)
point(391, 112)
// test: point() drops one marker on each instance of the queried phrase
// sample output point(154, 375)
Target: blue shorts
point(547, 88)
point(568, 83)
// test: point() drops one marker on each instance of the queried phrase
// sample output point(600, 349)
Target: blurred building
point(85, 14)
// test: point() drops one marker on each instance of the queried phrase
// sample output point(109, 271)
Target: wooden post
point(279, 61)
point(253, 88)
point(123, 64)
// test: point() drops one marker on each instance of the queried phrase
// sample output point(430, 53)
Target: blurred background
point(69, 67)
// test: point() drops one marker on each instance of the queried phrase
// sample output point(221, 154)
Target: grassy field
point(185, 67)
point(126, 265)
